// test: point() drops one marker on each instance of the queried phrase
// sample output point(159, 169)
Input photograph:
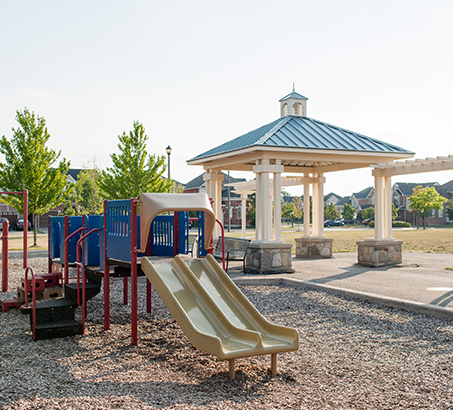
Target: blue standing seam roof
point(304, 132)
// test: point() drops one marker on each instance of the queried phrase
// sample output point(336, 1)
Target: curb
point(417, 307)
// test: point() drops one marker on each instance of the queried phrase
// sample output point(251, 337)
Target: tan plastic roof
point(154, 204)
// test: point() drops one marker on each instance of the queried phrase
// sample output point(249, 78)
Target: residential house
point(198, 185)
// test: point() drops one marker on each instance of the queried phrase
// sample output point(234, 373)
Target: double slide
point(213, 313)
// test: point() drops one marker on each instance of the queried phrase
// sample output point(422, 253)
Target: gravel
point(352, 355)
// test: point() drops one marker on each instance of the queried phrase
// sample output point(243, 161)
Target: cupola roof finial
point(294, 87)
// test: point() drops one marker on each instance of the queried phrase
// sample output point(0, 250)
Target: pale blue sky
point(199, 73)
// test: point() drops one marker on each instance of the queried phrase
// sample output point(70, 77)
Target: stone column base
point(268, 257)
point(311, 247)
point(372, 252)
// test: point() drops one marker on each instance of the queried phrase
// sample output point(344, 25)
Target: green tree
point(134, 170)
point(297, 205)
point(348, 212)
point(367, 213)
point(330, 212)
point(28, 165)
point(251, 213)
point(449, 209)
point(423, 200)
point(88, 199)
point(287, 209)
point(394, 212)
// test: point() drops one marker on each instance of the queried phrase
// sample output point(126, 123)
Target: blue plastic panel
point(56, 226)
point(91, 256)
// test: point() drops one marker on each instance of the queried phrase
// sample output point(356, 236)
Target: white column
point(266, 212)
point(306, 206)
point(258, 207)
point(277, 204)
point(243, 214)
point(321, 206)
point(315, 210)
point(388, 207)
point(378, 207)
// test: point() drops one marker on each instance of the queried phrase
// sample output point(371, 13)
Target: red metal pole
point(48, 245)
point(106, 275)
point(26, 228)
point(66, 249)
point(133, 233)
point(5, 256)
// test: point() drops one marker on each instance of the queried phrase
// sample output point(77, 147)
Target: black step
point(58, 329)
point(54, 310)
point(91, 290)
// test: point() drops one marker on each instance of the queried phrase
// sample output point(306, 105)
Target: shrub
point(395, 224)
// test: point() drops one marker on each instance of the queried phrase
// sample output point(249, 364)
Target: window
point(298, 109)
point(440, 213)
point(239, 208)
point(284, 110)
point(432, 213)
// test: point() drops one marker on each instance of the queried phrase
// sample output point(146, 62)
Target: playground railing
point(78, 263)
point(5, 256)
point(66, 252)
point(33, 291)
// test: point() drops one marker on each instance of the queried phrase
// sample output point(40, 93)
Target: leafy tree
point(449, 209)
point(367, 213)
point(251, 213)
point(88, 199)
point(394, 212)
point(297, 205)
point(287, 209)
point(330, 212)
point(134, 170)
point(348, 212)
point(423, 200)
point(28, 165)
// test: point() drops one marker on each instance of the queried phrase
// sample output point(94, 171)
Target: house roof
point(446, 190)
point(364, 193)
point(293, 95)
point(344, 200)
point(332, 194)
point(305, 133)
point(407, 188)
point(198, 181)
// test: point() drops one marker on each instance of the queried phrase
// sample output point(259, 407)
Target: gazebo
point(294, 143)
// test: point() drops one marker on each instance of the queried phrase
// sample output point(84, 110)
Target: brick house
point(197, 185)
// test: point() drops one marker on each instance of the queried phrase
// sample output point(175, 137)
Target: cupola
point(293, 104)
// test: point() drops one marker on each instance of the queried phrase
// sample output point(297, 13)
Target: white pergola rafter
point(383, 191)
point(414, 166)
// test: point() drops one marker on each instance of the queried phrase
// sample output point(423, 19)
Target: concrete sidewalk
point(421, 283)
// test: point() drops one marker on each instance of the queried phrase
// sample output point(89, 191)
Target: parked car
point(1, 223)
point(18, 225)
point(367, 221)
point(329, 223)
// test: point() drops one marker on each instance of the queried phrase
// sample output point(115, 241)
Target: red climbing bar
point(133, 230)
point(33, 291)
point(66, 252)
point(5, 256)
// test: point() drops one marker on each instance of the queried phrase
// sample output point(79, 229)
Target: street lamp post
point(168, 149)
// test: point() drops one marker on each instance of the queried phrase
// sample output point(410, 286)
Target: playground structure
point(210, 309)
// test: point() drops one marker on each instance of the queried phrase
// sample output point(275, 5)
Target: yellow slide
point(214, 314)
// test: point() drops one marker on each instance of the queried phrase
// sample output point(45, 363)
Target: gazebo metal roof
point(304, 135)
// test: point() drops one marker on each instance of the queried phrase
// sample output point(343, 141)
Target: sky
point(200, 73)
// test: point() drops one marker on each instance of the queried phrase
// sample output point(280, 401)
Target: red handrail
point(33, 291)
point(78, 261)
point(5, 256)
point(66, 252)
